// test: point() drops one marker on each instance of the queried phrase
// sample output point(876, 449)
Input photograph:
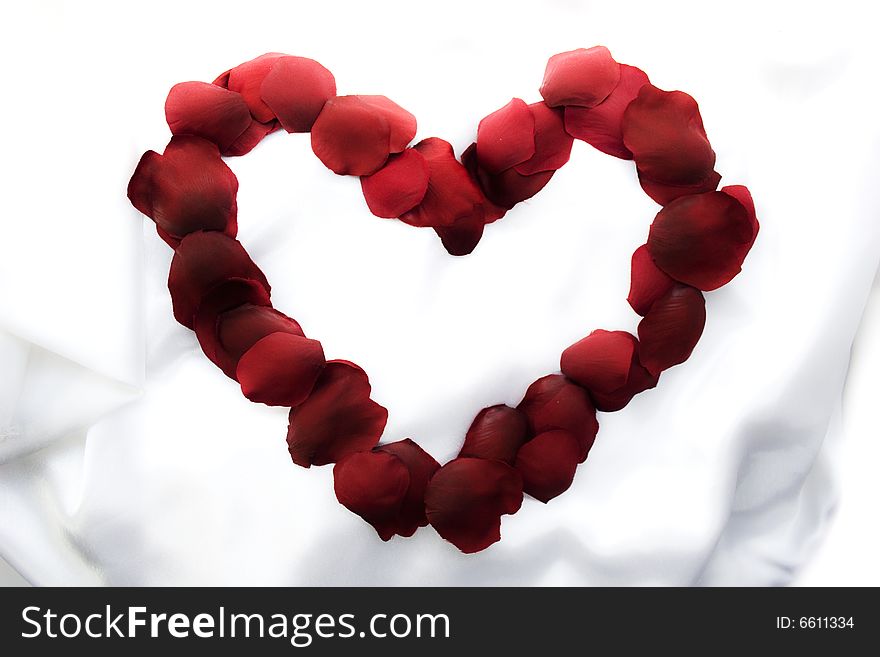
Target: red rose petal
point(554, 402)
point(202, 261)
point(249, 139)
point(664, 131)
point(672, 328)
point(373, 485)
point(600, 361)
point(496, 433)
point(237, 330)
point(451, 194)
point(462, 237)
point(397, 187)
point(505, 189)
point(702, 240)
point(581, 77)
point(742, 194)
point(208, 111)
point(466, 498)
point(547, 464)
point(189, 188)
point(638, 380)
point(552, 142)
point(295, 90)
point(402, 123)
point(665, 194)
point(491, 211)
point(648, 282)
point(600, 126)
point(337, 419)
point(421, 467)
point(350, 137)
point(247, 79)
point(280, 369)
point(506, 137)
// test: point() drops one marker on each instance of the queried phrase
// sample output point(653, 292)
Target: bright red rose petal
point(552, 142)
point(600, 361)
point(554, 402)
point(496, 433)
point(249, 139)
point(280, 369)
point(582, 77)
point(466, 498)
point(451, 194)
point(208, 111)
point(237, 330)
point(421, 467)
point(702, 240)
point(350, 137)
point(600, 126)
point(189, 188)
point(201, 261)
point(506, 137)
point(397, 187)
point(337, 419)
point(671, 329)
point(547, 464)
point(247, 79)
point(402, 123)
point(295, 90)
point(647, 283)
point(373, 485)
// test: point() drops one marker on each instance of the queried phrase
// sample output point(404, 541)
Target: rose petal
point(506, 137)
point(462, 237)
point(247, 79)
point(249, 139)
point(421, 467)
point(581, 77)
point(547, 464)
point(237, 330)
point(208, 111)
point(552, 142)
point(337, 419)
point(280, 369)
point(639, 380)
point(505, 189)
point(600, 361)
point(742, 194)
point(189, 188)
point(350, 137)
point(702, 240)
point(554, 402)
point(295, 90)
point(373, 485)
point(451, 194)
point(496, 433)
point(466, 498)
point(397, 187)
point(402, 123)
point(600, 126)
point(665, 194)
point(202, 261)
point(672, 328)
point(647, 283)
point(491, 211)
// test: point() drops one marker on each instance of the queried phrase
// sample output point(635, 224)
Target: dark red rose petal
point(547, 464)
point(600, 126)
point(666, 194)
point(189, 188)
point(350, 137)
point(225, 296)
point(373, 485)
point(506, 137)
point(742, 194)
point(581, 77)
point(664, 131)
point(638, 380)
point(397, 187)
point(554, 402)
point(247, 79)
point(672, 328)
point(491, 211)
point(462, 237)
point(552, 142)
point(337, 419)
point(280, 369)
point(237, 330)
point(496, 433)
point(295, 90)
point(249, 139)
point(466, 498)
point(600, 361)
point(202, 261)
point(402, 123)
point(702, 240)
point(208, 111)
point(505, 189)
point(421, 467)
point(647, 283)
point(451, 194)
